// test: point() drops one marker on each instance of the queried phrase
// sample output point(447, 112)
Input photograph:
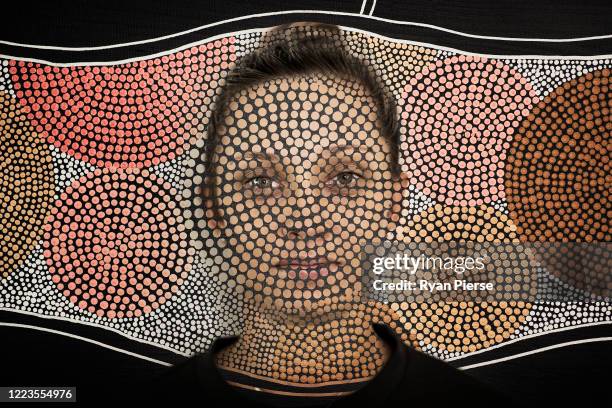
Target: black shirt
point(408, 377)
point(275, 393)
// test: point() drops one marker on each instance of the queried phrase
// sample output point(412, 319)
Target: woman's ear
point(213, 221)
point(400, 184)
point(212, 214)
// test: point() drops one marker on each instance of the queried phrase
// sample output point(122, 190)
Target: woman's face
point(303, 180)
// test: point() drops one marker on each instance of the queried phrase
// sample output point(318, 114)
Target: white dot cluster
point(546, 75)
point(5, 80)
point(172, 171)
point(246, 43)
point(67, 169)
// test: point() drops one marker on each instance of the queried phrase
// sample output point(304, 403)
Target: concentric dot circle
point(130, 115)
point(458, 121)
point(558, 180)
point(461, 326)
point(115, 243)
point(26, 185)
point(441, 223)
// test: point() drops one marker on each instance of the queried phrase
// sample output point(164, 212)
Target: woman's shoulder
point(179, 382)
point(438, 381)
point(422, 377)
point(194, 379)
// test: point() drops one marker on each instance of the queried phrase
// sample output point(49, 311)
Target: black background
point(96, 23)
point(29, 357)
point(101, 22)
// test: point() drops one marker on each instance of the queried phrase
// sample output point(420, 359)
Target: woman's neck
point(342, 347)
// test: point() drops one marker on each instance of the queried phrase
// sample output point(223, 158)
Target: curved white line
point(172, 350)
point(256, 30)
point(95, 325)
point(468, 367)
point(540, 350)
point(532, 336)
point(97, 343)
point(372, 9)
point(289, 12)
point(363, 4)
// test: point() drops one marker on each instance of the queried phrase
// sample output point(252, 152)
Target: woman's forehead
point(311, 113)
point(324, 150)
point(304, 88)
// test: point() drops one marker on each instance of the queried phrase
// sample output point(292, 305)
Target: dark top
point(273, 393)
point(408, 377)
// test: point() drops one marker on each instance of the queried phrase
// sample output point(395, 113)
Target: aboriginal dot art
point(177, 198)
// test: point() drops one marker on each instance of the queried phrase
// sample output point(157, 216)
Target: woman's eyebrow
point(338, 147)
point(267, 159)
point(347, 148)
point(262, 156)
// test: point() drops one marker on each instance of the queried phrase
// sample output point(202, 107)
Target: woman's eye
point(262, 182)
point(346, 179)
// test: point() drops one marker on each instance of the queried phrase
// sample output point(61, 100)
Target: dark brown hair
point(294, 49)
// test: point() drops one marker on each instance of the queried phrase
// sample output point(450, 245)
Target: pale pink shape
point(458, 119)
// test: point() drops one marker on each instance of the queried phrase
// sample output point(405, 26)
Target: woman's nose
point(299, 230)
point(298, 218)
point(296, 233)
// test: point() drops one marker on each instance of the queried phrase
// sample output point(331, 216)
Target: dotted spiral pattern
point(559, 183)
point(458, 121)
point(461, 326)
point(132, 115)
point(114, 243)
point(558, 174)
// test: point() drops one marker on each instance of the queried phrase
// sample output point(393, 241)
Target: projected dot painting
point(130, 257)
point(178, 198)
point(26, 185)
point(134, 115)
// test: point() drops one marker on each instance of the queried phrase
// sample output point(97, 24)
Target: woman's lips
point(311, 269)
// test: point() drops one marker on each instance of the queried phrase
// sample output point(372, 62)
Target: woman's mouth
point(307, 269)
